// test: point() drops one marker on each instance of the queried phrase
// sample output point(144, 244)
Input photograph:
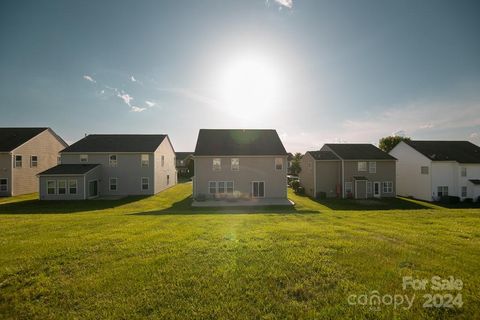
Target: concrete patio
point(243, 203)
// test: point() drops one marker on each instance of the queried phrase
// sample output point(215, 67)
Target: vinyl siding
point(6, 172)
point(385, 172)
point(161, 172)
point(82, 185)
point(328, 176)
point(306, 175)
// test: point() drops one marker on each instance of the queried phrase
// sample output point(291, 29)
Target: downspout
point(84, 187)
point(314, 178)
point(343, 178)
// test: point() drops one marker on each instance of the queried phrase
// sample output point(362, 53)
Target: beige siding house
point(235, 164)
point(348, 171)
point(24, 152)
point(111, 165)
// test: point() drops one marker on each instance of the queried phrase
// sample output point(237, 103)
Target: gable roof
point(323, 155)
point(12, 138)
point(460, 151)
point(358, 151)
point(238, 142)
point(183, 155)
point(117, 143)
point(63, 169)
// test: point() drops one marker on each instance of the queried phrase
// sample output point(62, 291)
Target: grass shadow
point(373, 204)
point(183, 207)
point(35, 206)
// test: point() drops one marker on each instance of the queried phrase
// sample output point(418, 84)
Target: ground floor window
point(258, 189)
point(51, 186)
point(220, 187)
point(348, 188)
point(72, 186)
point(442, 191)
point(387, 187)
point(369, 187)
point(62, 187)
point(3, 185)
point(113, 184)
point(464, 192)
point(146, 183)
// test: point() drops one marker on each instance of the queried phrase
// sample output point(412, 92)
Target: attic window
point(217, 164)
point(362, 166)
point(84, 158)
point(278, 163)
point(18, 161)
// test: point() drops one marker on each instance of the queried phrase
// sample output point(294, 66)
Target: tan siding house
point(24, 152)
point(240, 164)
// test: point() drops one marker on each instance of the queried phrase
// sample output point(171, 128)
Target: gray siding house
point(24, 152)
point(111, 165)
point(240, 164)
point(357, 171)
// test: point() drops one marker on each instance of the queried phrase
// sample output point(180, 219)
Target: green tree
point(388, 143)
point(295, 168)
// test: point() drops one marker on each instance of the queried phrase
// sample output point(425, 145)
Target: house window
point(18, 161)
point(217, 164)
point(348, 188)
point(221, 187)
point(369, 187)
point(146, 183)
point(212, 187)
point(113, 184)
point(62, 187)
point(145, 160)
point(463, 171)
point(163, 161)
point(72, 186)
point(229, 186)
point(235, 164)
point(168, 179)
point(51, 186)
point(59, 159)
point(362, 166)
point(424, 170)
point(258, 189)
point(278, 163)
point(84, 158)
point(113, 160)
point(442, 191)
point(372, 167)
point(3, 185)
point(464, 192)
point(33, 161)
point(387, 187)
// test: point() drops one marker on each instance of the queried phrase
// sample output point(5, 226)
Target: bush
point(468, 200)
point(295, 184)
point(201, 197)
point(300, 191)
point(478, 199)
point(450, 199)
point(321, 195)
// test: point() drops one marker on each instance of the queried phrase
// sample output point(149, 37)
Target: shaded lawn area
point(156, 257)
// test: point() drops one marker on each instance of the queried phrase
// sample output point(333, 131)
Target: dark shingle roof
point(11, 138)
point(323, 155)
point(475, 181)
point(117, 143)
point(69, 169)
point(460, 151)
point(359, 151)
point(238, 142)
point(183, 155)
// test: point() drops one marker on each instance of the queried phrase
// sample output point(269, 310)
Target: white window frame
point(113, 163)
point(350, 184)
point(278, 161)
point(33, 163)
point(363, 167)
point(65, 186)
point(216, 187)
point(215, 166)
point(16, 162)
point(256, 197)
point(4, 187)
point(425, 170)
point(463, 171)
point(145, 163)
point(387, 187)
point(54, 187)
point(372, 167)
point(110, 184)
point(369, 187)
point(464, 191)
point(442, 189)
point(142, 183)
point(226, 187)
point(235, 166)
point(70, 186)
point(210, 187)
point(163, 160)
point(83, 158)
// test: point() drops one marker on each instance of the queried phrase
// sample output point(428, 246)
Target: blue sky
point(317, 71)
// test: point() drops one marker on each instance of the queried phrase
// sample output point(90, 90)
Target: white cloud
point(137, 109)
point(125, 97)
point(132, 78)
point(426, 126)
point(150, 104)
point(89, 78)
point(285, 3)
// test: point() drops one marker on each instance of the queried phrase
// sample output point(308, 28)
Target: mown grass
point(156, 257)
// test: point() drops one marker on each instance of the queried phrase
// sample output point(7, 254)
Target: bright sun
point(250, 85)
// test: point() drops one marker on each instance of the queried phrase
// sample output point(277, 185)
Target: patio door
point(258, 189)
point(93, 189)
point(376, 189)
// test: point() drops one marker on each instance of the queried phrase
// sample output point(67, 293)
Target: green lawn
point(155, 257)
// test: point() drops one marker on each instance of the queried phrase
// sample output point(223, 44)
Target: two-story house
point(183, 160)
point(428, 170)
point(24, 152)
point(237, 163)
point(347, 170)
point(111, 165)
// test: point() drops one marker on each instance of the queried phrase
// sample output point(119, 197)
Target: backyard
point(156, 257)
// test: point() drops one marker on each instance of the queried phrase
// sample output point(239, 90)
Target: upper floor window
point(145, 160)
point(163, 160)
point(113, 160)
point(59, 159)
point(235, 164)
point(217, 164)
point(18, 161)
point(278, 163)
point(463, 171)
point(372, 167)
point(84, 158)
point(424, 170)
point(362, 166)
point(33, 161)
